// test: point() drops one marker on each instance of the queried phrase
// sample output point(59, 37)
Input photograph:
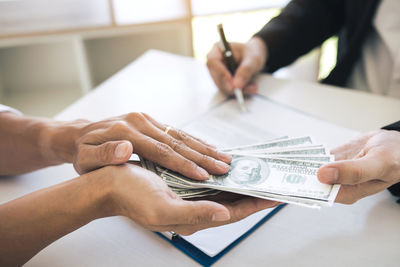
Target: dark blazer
point(306, 24)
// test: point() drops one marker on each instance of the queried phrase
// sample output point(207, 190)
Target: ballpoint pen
point(230, 63)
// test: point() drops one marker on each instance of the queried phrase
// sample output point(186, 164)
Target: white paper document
point(226, 126)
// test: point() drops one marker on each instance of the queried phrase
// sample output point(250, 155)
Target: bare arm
point(28, 143)
point(32, 222)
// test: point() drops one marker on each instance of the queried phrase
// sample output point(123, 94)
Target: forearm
point(32, 222)
point(28, 143)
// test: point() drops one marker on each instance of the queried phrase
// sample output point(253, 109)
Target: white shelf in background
point(44, 103)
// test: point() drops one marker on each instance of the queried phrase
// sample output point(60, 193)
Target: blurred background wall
point(52, 52)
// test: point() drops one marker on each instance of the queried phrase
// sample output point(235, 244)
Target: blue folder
point(202, 258)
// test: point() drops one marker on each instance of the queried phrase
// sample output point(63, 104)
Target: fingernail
point(330, 175)
point(203, 173)
point(224, 157)
point(222, 166)
point(121, 150)
point(221, 216)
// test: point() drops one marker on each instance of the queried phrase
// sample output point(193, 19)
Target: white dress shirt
point(6, 108)
point(378, 69)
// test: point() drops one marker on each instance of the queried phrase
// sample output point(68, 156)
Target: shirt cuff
point(4, 108)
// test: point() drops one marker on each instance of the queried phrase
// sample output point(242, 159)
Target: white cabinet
point(53, 52)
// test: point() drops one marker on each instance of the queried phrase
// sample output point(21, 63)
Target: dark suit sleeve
point(394, 126)
point(394, 189)
point(302, 25)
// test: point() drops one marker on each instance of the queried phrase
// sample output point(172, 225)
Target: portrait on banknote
point(247, 171)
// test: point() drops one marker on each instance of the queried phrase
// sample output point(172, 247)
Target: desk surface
point(175, 89)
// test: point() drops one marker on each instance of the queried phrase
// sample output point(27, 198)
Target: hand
point(112, 141)
point(251, 58)
point(365, 166)
point(125, 190)
point(142, 196)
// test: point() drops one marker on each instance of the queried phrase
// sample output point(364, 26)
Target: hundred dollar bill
point(298, 157)
point(300, 165)
point(282, 177)
point(194, 192)
point(309, 150)
point(149, 165)
point(317, 158)
point(181, 191)
point(306, 202)
point(301, 201)
point(289, 142)
point(283, 169)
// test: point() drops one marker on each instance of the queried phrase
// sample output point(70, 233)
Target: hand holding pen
point(231, 64)
point(250, 57)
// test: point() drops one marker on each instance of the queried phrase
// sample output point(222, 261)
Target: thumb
point(199, 212)
point(90, 157)
point(351, 172)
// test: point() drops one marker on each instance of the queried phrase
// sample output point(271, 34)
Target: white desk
point(174, 89)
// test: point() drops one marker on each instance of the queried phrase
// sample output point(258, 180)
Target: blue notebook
point(194, 252)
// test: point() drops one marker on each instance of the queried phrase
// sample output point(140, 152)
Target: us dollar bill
point(298, 157)
point(194, 192)
point(283, 169)
point(263, 176)
point(289, 142)
point(303, 150)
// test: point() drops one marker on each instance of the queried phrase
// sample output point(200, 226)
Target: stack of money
point(283, 169)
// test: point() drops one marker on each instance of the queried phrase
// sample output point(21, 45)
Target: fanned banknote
point(283, 169)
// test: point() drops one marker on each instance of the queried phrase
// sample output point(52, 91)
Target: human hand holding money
point(365, 165)
point(112, 141)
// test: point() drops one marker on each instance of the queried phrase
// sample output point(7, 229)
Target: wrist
point(100, 185)
point(58, 140)
point(259, 49)
point(118, 181)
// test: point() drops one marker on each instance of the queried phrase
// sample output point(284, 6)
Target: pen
point(230, 62)
point(170, 235)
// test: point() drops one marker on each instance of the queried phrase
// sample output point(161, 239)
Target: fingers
point(91, 157)
point(199, 146)
point(349, 194)
point(238, 210)
point(192, 149)
point(219, 72)
point(248, 67)
point(250, 89)
point(248, 205)
point(202, 141)
point(351, 172)
point(164, 155)
point(186, 155)
point(253, 55)
point(207, 162)
point(173, 131)
point(196, 212)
